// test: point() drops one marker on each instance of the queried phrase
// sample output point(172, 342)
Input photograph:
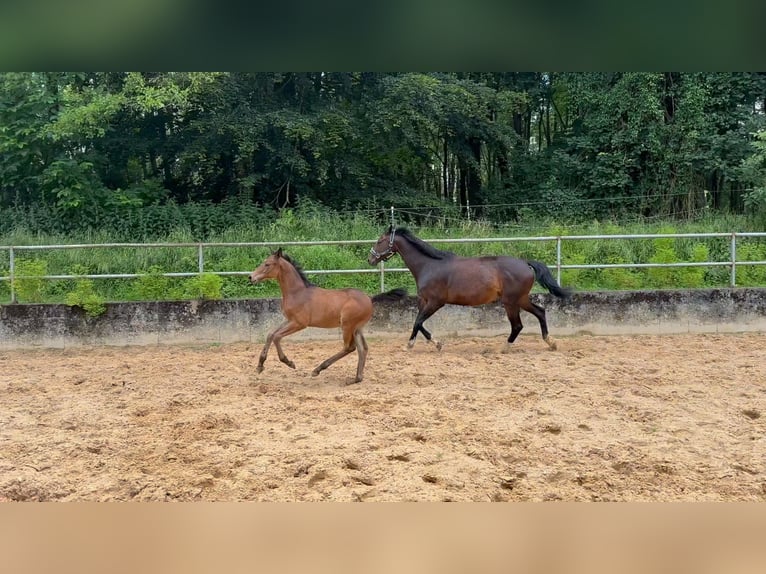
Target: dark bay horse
point(307, 305)
point(443, 277)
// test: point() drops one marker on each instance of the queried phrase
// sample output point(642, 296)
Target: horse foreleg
point(429, 339)
point(514, 317)
point(286, 328)
point(424, 314)
point(265, 351)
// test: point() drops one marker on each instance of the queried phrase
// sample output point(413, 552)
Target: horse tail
point(544, 278)
point(393, 295)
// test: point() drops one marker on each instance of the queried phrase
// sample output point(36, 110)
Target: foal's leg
point(539, 312)
point(286, 328)
point(350, 345)
point(425, 312)
point(361, 349)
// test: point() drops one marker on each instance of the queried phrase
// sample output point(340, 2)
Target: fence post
point(733, 280)
point(11, 266)
point(558, 259)
point(200, 260)
point(381, 266)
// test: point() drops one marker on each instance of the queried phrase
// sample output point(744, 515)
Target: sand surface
point(666, 418)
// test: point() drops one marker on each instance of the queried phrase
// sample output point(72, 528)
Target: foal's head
point(384, 249)
point(281, 267)
point(269, 269)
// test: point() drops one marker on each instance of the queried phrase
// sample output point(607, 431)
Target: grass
point(316, 224)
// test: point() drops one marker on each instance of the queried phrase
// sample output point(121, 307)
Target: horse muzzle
point(376, 257)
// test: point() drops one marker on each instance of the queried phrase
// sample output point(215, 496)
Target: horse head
point(269, 269)
point(384, 249)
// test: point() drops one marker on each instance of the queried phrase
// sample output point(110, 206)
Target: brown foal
point(307, 305)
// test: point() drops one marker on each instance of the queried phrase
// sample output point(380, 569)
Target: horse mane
point(299, 269)
point(422, 246)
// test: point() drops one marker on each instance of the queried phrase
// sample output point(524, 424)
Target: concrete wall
point(183, 322)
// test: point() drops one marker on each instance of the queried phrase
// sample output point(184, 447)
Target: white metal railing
point(732, 262)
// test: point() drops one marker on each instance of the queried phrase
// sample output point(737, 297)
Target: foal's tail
point(393, 295)
point(544, 278)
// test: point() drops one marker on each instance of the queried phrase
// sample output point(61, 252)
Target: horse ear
point(278, 252)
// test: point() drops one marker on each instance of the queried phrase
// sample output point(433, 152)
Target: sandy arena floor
point(667, 418)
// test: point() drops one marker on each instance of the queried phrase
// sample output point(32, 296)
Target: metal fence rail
point(732, 262)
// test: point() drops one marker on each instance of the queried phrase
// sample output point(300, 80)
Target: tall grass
point(311, 222)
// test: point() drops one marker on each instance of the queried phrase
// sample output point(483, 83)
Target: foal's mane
point(422, 246)
point(299, 269)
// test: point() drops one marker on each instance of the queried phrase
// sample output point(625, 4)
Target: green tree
point(82, 147)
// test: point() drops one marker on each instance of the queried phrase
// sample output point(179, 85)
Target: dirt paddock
point(677, 417)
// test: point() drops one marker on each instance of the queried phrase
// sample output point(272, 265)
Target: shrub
point(204, 286)
point(152, 286)
point(85, 296)
point(689, 277)
point(574, 278)
point(5, 286)
point(664, 252)
point(694, 277)
point(620, 277)
point(751, 275)
point(28, 282)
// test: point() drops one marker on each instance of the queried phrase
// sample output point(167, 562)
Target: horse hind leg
point(349, 342)
point(361, 349)
point(539, 312)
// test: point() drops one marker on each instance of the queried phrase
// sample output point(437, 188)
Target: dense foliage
point(126, 149)
point(310, 222)
point(213, 156)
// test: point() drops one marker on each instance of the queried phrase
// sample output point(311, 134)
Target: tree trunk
point(715, 191)
point(462, 187)
point(453, 178)
point(473, 173)
point(548, 124)
point(445, 179)
point(518, 125)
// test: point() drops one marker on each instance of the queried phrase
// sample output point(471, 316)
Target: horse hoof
point(410, 343)
point(552, 346)
point(315, 372)
point(356, 381)
point(290, 364)
point(438, 345)
point(259, 369)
